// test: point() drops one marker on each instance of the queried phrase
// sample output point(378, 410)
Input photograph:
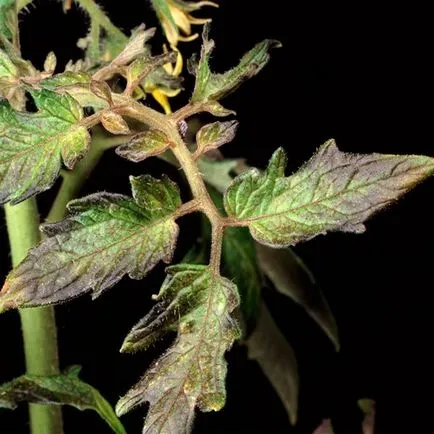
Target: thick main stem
point(38, 324)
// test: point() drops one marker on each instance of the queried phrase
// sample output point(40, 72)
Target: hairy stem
point(38, 324)
point(185, 159)
point(98, 16)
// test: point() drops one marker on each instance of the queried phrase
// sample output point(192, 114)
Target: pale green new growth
point(66, 389)
point(198, 303)
point(333, 191)
point(33, 145)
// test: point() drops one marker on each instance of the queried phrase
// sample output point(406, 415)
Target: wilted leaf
point(64, 79)
point(212, 136)
point(143, 66)
point(114, 123)
point(105, 237)
point(216, 109)
point(269, 348)
point(33, 145)
point(333, 191)
point(144, 145)
point(102, 90)
point(211, 86)
point(291, 277)
point(198, 303)
point(66, 389)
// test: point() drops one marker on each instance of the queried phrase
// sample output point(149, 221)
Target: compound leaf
point(197, 302)
point(105, 237)
point(33, 145)
point(63, 389)
point(211, 86)
point(333, 191)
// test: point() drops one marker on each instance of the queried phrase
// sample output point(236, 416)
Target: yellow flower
point(175, 18)
point(162, 94)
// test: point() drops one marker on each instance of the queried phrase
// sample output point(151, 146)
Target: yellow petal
point(162, 100)
point(181, 19)
point(194, 20)
point(170, 31)
point(188, 38)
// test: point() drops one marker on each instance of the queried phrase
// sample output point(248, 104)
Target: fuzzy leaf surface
point(198, 303)
point(105, 237)
point(144, 145)
point(212, 86)
point(333, 191)
point(66, 389)
point(212, 136)
point(33, 145)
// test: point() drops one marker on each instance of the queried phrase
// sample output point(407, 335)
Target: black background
point(359, 74)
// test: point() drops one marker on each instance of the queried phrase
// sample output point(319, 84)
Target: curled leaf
point(114, 123)
point(333, 191)
point(144, 145)
point(211, 86)
point(66, 389)
point(212, 136)
point(198, 303)
point(105, 237)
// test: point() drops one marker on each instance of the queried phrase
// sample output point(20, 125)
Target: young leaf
point(212, 136)
point(33, 145)
point(211, 86)
point(333, 191)
point(114, 123)
point(105, 237)
point(269, 348)
point(198, 303)
point(66, 389)
point(292, 278)
point(144, 145)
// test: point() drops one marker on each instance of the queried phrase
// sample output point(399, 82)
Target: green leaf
point(64, 79)
point(212, 136)
point(7, 68)
point(211, 86)
point(292, 278)
point(217, 172)
point(7, 15)
point(197, 302)
point(269, 348)
point(33, 145)
point(144, 145)
point(333, 191)
point(66, 389)
point(105, 237)
point(241, 266)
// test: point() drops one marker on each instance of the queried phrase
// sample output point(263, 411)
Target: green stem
point(38, 325)
point(73, 181)
point(96, 14)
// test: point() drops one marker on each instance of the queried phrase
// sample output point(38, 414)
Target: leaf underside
point(197, 303)
point(105, 237)
point(333, 191)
